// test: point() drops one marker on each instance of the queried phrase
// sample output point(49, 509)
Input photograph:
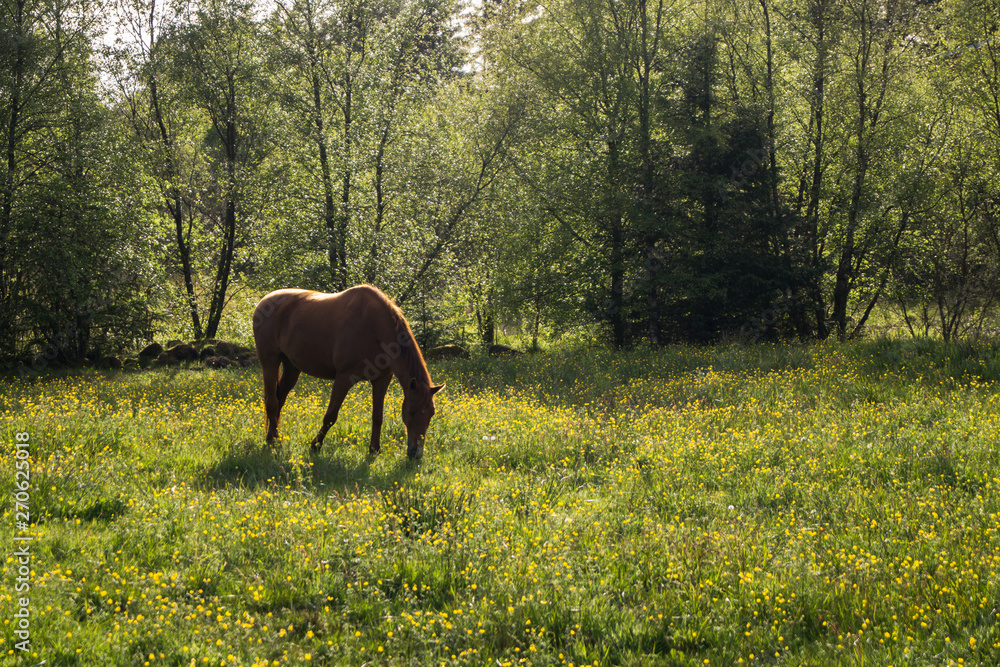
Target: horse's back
point(268, 314)
point(321, 333)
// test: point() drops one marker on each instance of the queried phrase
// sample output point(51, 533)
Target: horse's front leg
point(379, 387)
point(341, 385)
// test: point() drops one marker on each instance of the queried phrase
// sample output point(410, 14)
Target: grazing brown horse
point(358, 334)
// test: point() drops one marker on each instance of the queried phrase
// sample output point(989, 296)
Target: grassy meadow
point(731, 505)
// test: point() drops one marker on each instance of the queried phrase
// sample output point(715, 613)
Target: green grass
point(742, 504)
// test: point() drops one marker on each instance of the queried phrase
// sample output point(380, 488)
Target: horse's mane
point(417, 365)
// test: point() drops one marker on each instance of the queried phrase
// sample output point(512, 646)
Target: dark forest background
point(644, 170)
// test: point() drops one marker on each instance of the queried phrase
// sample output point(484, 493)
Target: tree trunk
point(175, 206)
point(8, 337)
point(172, 198)
point(329, 208)
point(224, 271)
point(811, 183)
point(338, 235)
point(176, 210)
point(648, 175)
point(380, 205)
point(395, 92)
point(868, 115)
point(844, 276)
point(231, 141)
point(769, 89)
point(614, 224)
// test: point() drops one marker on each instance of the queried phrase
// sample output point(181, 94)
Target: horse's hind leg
point(289, 376)
point(269, 369)
point(341, 385)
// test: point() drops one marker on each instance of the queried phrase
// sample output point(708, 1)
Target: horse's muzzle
point(415, 448)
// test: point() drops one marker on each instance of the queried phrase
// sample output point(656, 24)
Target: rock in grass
point(248, 358)
point(447, 352)
point(111, 363)
point(504, 351)
point(151, 351)
point(219, 362)
point(183, 352)
point(166, 359)
point(231, 350)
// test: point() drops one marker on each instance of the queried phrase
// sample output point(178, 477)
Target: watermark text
point(22, 541)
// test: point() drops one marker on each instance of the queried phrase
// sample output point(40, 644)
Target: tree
point(594, 62)
point(74, 257)
point(857, 103)
point(875, 53)
point(89, 252)
point(455, 175)
point(221, 61)
point(361, 69)
point(947, 280)
point(40, 44)
point(950, 282)
point(811, 40)
point(140, 67)
point(515, 261)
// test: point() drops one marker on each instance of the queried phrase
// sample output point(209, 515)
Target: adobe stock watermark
point(390, 352)
point(22, 541)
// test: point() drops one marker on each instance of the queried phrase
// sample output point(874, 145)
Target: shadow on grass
point(250, 464)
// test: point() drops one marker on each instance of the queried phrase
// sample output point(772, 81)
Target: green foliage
point(627, 171)
point(76, 276)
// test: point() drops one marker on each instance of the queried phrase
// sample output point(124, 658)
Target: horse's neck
point(409, 364)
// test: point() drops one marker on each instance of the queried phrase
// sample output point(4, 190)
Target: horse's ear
point(436, 389)
point(413, 383)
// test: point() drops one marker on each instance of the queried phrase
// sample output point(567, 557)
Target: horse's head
point(418, 408)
